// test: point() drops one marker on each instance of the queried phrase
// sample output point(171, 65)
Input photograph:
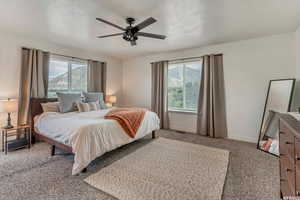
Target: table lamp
point(111, 99)
point(8, 106)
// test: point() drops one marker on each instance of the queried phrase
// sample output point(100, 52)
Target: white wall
point(10, 59)
point(296, 100)
point(248, 67)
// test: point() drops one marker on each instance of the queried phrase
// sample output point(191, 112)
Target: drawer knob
point(281, 132)
point(282, 180)
point(288, 143)
point(298, 193)
point(288, 170)
point(297, 158)
point(281, 154)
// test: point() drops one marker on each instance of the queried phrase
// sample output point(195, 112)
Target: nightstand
point(17, 143)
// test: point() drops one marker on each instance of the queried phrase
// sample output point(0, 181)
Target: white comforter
point(89, 134)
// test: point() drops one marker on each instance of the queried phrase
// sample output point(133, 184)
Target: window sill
point(183, 111)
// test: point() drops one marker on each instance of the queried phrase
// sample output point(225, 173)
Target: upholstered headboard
point(36, 108)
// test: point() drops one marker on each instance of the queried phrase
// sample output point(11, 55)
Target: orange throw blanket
point(129, 118)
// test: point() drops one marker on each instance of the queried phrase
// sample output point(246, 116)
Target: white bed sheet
point(89, 134)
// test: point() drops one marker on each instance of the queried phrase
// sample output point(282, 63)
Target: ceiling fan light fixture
point(131, 33)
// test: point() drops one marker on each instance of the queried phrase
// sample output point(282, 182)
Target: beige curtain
point(159, 94)
point(211, 119)
point(33, 81)
point(96, 76)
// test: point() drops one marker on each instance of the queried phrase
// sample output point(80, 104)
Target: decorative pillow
point(68, 101)
point(83, 107)
point(95, 96)
point(86, 107)
point(94, 106)
point(50, 107)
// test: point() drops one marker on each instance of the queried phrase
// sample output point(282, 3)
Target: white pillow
point(83, 107)
point(94, 106)
point(50, 107)
point(86, 107)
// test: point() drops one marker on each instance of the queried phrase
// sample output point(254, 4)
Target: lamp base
point(8, 125)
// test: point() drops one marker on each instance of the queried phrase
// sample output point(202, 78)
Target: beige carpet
point(35, 175)
point(165, 169)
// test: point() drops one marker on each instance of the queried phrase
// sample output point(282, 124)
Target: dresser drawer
point(286, 141)
point(287, 176)
point(287, 145)
point(297, 165)
point(284, 131)
point(283, 127)
point(287, 161)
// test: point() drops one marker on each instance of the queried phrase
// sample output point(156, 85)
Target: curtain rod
point(56, 54)
point(188, 58)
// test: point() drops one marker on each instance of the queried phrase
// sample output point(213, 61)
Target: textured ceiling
point(187, 23)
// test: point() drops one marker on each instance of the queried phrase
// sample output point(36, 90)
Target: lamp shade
point(8, 106)
point(112, 99)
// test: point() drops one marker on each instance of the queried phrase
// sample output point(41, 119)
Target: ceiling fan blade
point(151, 35)
point(111, 35)
point(133, 43)
point(109, 23)
point(145, 23)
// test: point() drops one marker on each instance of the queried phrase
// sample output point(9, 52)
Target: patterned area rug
point(165, 170)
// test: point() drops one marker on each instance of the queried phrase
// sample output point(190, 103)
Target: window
point(66, 75)
point(183, 85)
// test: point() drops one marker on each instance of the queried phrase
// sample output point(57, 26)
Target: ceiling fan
point(131, 32)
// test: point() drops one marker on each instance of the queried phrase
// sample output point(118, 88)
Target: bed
point(87, 135)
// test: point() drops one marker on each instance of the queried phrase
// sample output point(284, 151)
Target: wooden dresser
point(289, 148)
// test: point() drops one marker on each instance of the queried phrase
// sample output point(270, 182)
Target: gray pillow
point(68, 101)
point(93, 97)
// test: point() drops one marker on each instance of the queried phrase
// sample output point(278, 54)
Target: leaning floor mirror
point(279, 97)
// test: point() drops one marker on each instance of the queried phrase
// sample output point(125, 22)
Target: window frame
point(70, 62)
point(184, 109)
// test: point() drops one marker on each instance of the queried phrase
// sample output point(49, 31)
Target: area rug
point(165, 170)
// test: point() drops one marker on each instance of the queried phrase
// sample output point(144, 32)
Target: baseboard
point(242, 138)
point(230, 137)
point(180, 131)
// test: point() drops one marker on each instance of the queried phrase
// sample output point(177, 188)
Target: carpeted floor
point(35, 175)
